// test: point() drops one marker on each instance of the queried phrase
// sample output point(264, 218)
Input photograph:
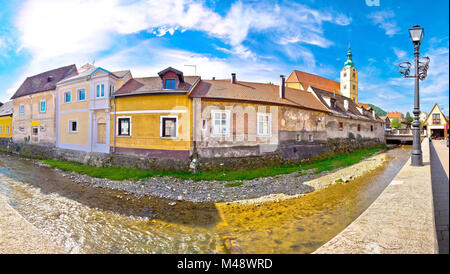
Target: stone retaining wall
point(285, 153)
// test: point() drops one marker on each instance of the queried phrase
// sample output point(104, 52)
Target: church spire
point(349, 62)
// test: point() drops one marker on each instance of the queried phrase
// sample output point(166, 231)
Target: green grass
point(233, 184)
point(117, 173)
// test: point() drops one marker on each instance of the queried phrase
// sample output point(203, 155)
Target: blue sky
point(259, 40)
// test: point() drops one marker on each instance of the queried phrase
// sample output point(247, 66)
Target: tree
point(396, 123)
point(408, 119)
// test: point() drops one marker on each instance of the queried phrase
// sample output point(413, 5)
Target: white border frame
point(20, 106)
point(69, 126)
point(40, 106)
point(213, 112)
point(78, 95)
point(64, 96)
point(117, 126)
point(161, 128)
point(265, 114)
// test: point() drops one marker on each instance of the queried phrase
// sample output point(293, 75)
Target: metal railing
point(402, 131)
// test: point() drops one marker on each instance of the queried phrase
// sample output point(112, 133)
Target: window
point(7, 130)
point(333, 102)
point(67, 97)
point(124, 126)
point(169, 126)
point(345, 74)
point(22, 109)
point(341, 126)
point(354, 75)
point(263, 126)
point(170, 84)
point(436, 119)
point(354, 86)
point(345, 86)
point(311, 138)
point(81, 94)
point(73, 126)
point(371, 128)
point(359, 127)
point(221, 122)
point(299, 137)
point(43, 105)
point(100, 91)
point(111, 90)
point(1, 130)
point(204, 125)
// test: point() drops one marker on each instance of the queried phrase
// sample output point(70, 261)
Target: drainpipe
point(114, 132)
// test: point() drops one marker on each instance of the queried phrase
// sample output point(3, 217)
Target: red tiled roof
point(257, 92)
point(44, 81)
point(394, 115)
point(308, 79)
point(152, 85)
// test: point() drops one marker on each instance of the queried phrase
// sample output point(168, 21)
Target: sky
point(258, 40)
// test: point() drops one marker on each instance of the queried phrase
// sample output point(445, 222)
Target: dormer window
point(170, 84)
point(333, 102)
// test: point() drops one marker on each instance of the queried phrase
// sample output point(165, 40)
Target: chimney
point(346, 105)
point(233, 78)
point(214, 78)
point(49, 79)
point(374, 113)
point(282, 88)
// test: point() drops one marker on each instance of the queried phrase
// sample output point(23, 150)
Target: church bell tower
point(349, 79)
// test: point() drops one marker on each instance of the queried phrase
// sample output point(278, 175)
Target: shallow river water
point(87, 220)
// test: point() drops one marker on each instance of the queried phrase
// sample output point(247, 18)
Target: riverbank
point(18, 236)
point(302, 179)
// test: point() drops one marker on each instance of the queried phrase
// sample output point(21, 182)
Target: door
point(35, 134)
point(101, 132)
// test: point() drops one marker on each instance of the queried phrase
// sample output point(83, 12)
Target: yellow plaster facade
point(6, 126)
point(146, 113)
point(83, 120)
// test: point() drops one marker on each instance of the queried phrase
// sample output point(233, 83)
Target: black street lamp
point(420, 73)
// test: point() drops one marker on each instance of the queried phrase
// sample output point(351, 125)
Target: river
point(81, 219)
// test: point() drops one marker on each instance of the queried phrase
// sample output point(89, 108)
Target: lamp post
point(420, 73)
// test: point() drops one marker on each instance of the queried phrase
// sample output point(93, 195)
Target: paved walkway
point(439, 177)
point(17, 236)
point(400, 220)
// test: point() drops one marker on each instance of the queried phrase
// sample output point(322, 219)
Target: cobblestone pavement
point(439, 177)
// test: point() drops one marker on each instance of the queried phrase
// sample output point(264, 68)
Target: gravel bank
point(250, 191)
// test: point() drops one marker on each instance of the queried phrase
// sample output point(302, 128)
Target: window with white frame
point(100, 90)
point(124, 126)
point(221, 122)
point(67, 97)
point(73, 126)
point(43, 106)
point(111, 90)
point(263, 124)
point(169, 126)
point(22, 109)
point(81, 94)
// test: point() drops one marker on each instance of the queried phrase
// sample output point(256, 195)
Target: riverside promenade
point(400, 221)
point(17, 236)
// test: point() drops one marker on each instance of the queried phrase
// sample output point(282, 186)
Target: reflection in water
point(87, 220)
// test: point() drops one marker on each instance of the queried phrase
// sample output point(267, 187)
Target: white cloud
point(385, 20)
point(401, 54)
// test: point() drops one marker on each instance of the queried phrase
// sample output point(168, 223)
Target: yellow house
point(436, 123)
point(34, 105)
point(83, 108)
point(6, 119)
point(153, 116)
